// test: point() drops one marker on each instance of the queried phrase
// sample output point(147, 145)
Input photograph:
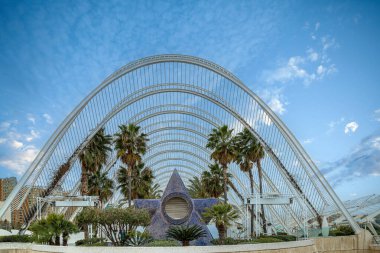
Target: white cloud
point(333, 124)
point(328, 42)
point(291, 71)
point(277, 106)
point(31, 118)
point(317, 25)
point(16, 144)
point(4, 125)
point(320, 70)
point(33, 135)
point(20, 161)
point(308, 141)
point(351, 127)
point(375, 143)
point(377, 115)
point(312, 55)
point(48, 118)
point(313, 66)
point(2, 140)
point(361, 162)
point(274, 99)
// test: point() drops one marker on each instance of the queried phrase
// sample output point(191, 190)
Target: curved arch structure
point(177, 100)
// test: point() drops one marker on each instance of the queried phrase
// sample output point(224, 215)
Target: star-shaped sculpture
point(176, 207)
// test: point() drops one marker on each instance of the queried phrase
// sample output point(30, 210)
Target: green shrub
point(126, 219)
point(227, 241)
point(15, 238)
point(342, 230)
point(266, 239)
point(262, 239)
point(285, 238)
point(163, 243)
point(185, 234)
point(91, 242)
point(137, 238)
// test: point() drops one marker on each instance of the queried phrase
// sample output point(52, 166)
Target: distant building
point(6, 186)
point(19, 215)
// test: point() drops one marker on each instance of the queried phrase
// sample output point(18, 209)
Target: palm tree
point(220, 141)
point(250, 152)
point(260, 155)
point(197, 189)
point(154, 191)
point(55, 221)
point(222, 215)
point(67, 229)
point(141, 182)
point(93, 156)
point(212, 180)
point(100, 185)
point(185, 234)
point(130, 145)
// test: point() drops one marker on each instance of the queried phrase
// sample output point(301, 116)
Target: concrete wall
point(306, 246)
point(344, 244)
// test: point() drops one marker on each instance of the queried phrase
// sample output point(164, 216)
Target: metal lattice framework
point(177, 100)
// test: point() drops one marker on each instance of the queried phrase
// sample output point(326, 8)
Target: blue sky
point(316, 63)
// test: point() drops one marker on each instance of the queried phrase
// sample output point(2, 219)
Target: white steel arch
point(171, 93)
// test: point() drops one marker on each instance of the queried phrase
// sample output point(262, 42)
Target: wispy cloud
point(377, 114)
point(20, 160)
point(32, 135)
point(48, 118)
point(4, 125)
point(16, 144)
point(274, 99)
point(351, 127)
point(31, 118)
point(333, 124)
point(314, 65)
point(308, 141)
point(363, 161)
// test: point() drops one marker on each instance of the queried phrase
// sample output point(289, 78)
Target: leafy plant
point(114, 219)
point(250, 152)
point(285, 238)
point(232, 241)
point(225, 241)
point(93, 156)
point(266, 240)
point(221, 142)
point(222, 215)
point(342, 230)
point(162, 243)
point(100, 185)
point(91, 242)
point(130, 144)
point(185, 234)
point(50, 229)
point(137, 238)
point(16, 238)
point(197, 189)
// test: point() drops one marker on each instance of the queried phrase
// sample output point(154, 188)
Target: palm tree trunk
point(225, 182)
point(65, 236)
point(83, 181)
point(221, 232)
point(129, 186)
point(252, 209)
point(261, 192)
point(57, 240)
